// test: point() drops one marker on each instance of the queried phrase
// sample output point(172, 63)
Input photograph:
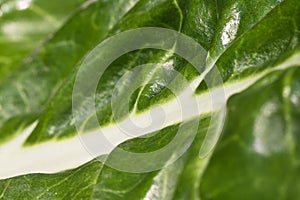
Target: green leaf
point(39, 77)
point(76, 183)
point(258, 155)
point(254, 46)
point(23, 26)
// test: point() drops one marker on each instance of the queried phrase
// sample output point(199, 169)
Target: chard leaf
point(258, 155)
point(246, 160)
point(255, 47)
point(24, 24)
point(42, 73)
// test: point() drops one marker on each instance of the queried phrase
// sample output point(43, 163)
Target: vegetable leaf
point(254, 46)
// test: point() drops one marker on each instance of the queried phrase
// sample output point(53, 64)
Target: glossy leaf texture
point(24, 24)
point(257, 156)
point(39, 77)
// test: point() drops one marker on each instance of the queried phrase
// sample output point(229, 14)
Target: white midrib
point(55, 156)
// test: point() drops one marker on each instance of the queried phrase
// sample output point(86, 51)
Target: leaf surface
point(255, 47)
